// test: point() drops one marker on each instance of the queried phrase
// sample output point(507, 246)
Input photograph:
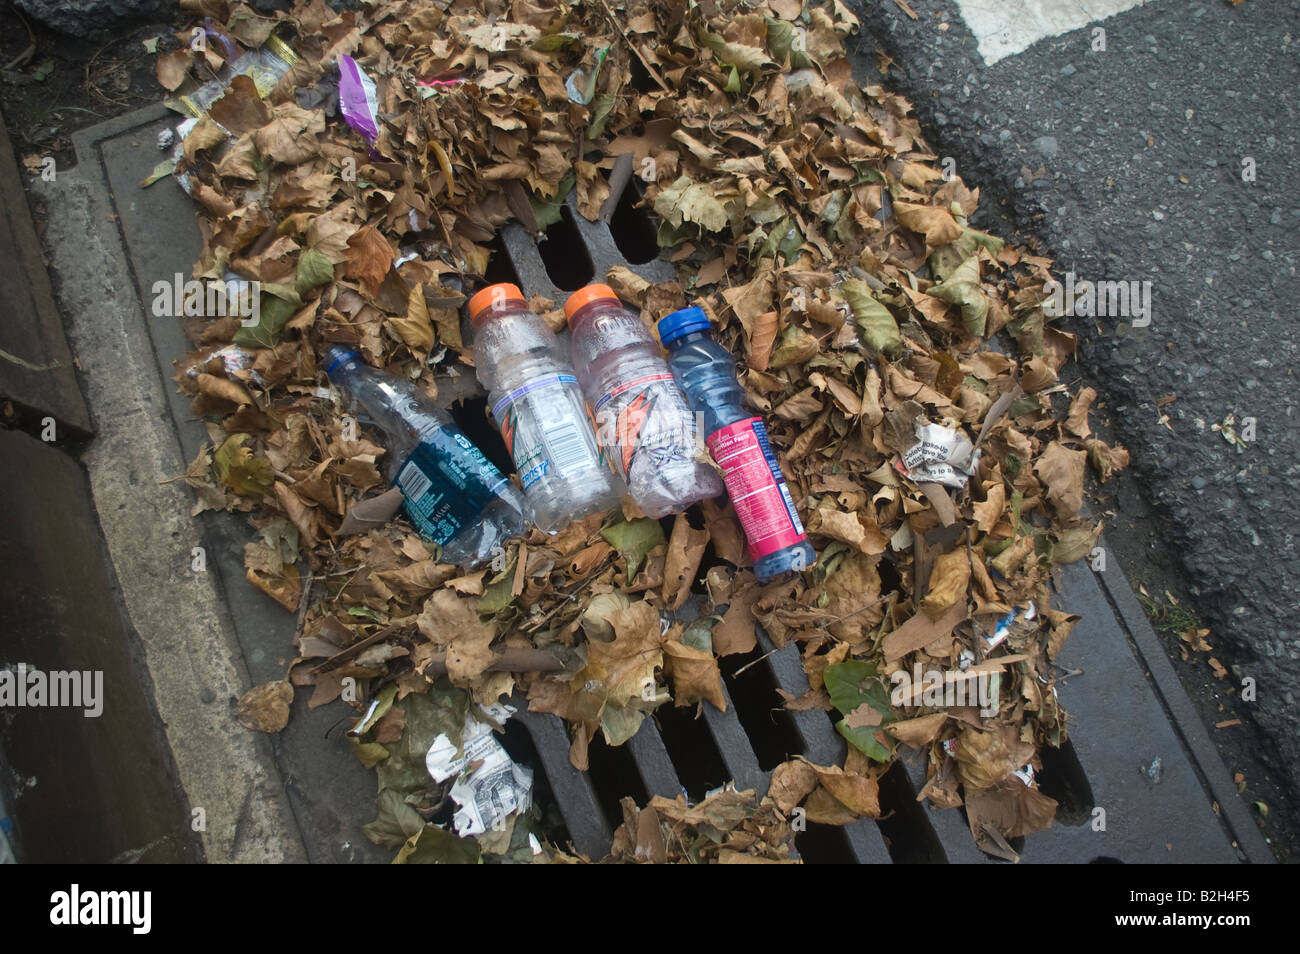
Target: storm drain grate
point(1127, 709)
point(1109, 806)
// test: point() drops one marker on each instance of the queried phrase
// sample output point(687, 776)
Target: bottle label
point(646, 415)
point(547, 435)
point(756, 487)
point(446, 482)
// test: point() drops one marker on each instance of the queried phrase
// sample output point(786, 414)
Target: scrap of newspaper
point(491, 791)
point(942, 455)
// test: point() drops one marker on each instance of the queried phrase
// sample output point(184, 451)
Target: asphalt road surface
point(1161, 150)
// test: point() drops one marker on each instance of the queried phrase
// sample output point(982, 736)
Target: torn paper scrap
point(942, 455)
point(492, 790)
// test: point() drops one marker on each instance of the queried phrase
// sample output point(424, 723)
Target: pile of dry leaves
point(809, 218)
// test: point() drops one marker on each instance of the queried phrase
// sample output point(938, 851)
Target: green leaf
point(497, 595)
point(699, 635)
point(733, 81)
point(547, 211)
point(240, 471)
point(747, 59)
point(780, 43)
point(369, 753)
point(365, 612)
point(879, 328)
point(962, 288)
point(276, 306)
point(435, 846)
point(397, 821)
point(600, 110)
point(854, 683)
point(555, 41)
point(689, 201)
point(386, 697)
point(634, 539)
point(42, 72)
point(313, 269)
point(618, 724)
point(160, 171)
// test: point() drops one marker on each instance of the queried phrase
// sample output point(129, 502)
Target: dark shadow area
point(692, 750)
point(909, 836)
point(614, 776)
point(519, 744)
point(770, 727)
point(634, 229)
point(564, 254)
point(824, 845)
point(472, 417)
point(1063, 778)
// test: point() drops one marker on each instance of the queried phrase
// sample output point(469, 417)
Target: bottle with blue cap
point(738, 442)
point(453, 495)
point(642, 418)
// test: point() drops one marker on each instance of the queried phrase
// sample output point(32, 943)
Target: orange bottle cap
point(493, 295)
point(585, 296)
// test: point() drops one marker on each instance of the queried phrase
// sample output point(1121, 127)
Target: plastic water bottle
point(738, 442)
point(537, 404)
point(642, 417)
point(451, 492)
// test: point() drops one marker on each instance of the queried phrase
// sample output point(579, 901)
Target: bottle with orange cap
point(642, 417)
point(538, 406)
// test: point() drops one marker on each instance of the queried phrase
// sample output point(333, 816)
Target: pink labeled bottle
point(642, 418)
point(738, 441)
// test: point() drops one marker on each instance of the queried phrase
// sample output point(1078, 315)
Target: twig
point(30, 50)
point(754, 663)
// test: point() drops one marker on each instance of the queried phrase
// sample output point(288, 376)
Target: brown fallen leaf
point(452, 622)
point(265, 708)
point(920, 631)
point(686, 548)
point(1061, 471)
point(695, 675)
point(948, 583)
point(791, 783)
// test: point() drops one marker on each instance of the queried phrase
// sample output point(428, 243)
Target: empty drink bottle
point(538, 406)
point(452, 493)
point(738, 442)
point(642, 417)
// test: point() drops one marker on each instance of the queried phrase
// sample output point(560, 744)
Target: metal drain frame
point(1126, 709)
point(1120, 717)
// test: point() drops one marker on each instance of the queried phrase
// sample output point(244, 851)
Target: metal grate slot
point(574, 792)
point(692, 750)
point(634, 228)
point(518, 741)
point(614, 776)
point(908, 835)
point(768, 726)
point(565, 257)
point(1063, 778)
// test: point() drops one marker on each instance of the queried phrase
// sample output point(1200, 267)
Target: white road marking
point(1007, 27)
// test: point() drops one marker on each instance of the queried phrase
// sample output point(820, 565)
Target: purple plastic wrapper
point(357, 99)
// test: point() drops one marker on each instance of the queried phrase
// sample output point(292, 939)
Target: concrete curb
point(193, 661)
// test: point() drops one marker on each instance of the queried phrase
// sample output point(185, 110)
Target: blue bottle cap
point(682, 322)
point(336, 356)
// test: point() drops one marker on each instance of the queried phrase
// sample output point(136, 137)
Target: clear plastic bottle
point(738, 442)
point(537, 404)
point(452, 493)
point(642, 417)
